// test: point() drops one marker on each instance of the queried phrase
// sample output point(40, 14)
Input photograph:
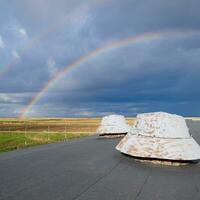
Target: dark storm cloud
point(162, 74)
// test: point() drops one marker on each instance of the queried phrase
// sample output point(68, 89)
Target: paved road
point(91, 169)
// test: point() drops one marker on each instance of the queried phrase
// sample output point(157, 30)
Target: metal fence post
point(25, 135)
point(48, 133)
point(65, 133)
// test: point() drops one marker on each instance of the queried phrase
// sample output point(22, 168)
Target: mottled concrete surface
point(91, 168)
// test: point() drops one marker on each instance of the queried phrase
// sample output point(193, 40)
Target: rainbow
point(148, 36)
point(37, 39)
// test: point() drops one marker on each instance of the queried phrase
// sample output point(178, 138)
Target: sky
point(39, 38)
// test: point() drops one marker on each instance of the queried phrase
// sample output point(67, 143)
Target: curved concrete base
point(162, 161)
point(112, 135)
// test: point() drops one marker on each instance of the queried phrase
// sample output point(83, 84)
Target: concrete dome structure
point(113, 125)
point(160, 135)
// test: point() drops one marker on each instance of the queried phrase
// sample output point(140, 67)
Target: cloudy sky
point(39, 38)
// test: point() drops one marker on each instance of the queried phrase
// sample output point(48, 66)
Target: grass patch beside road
point(20, 133)
point(18, 140)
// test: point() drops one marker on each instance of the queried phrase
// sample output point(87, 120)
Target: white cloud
point(51, 64)
point(23, 32)
point(10, 98)
point(80, 20)
point(15, 54)
point(2, 44)
point(12, 104)
point(4, 98)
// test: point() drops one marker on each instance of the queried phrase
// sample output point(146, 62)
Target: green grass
point(18, 140)
point(12, 130)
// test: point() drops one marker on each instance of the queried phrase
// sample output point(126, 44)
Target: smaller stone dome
point(113, 125)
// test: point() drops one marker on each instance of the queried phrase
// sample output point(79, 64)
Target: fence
point(20, 135)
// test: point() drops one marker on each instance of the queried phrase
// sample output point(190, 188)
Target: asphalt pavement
point(91, 169)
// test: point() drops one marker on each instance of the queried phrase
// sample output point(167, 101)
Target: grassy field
point(20, 133)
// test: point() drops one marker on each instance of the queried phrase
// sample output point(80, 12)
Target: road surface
point(91, 169)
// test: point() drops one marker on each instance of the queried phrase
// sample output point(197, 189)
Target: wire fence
point(48, 128)
point(20, 135)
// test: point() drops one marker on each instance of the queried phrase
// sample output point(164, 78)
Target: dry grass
point(20, 133)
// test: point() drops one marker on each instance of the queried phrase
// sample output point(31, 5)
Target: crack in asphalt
point(99, 179)
point(142, 187)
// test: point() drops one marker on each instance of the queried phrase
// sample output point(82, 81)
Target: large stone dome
point(160, 135)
